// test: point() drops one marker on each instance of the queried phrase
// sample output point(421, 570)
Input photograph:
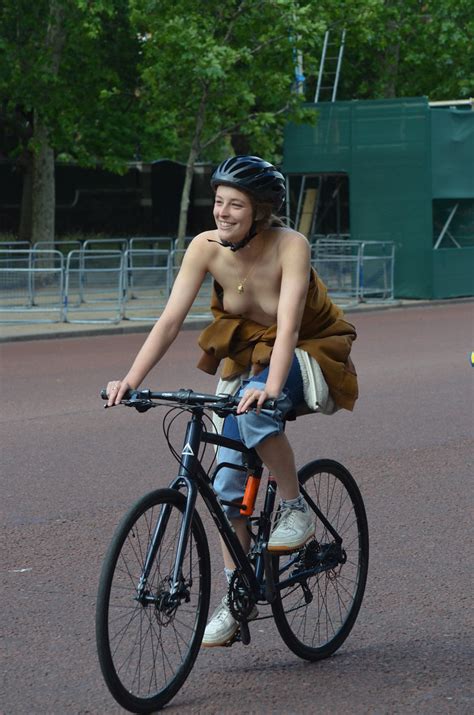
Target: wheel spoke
point(147, 641)
point(314, 630)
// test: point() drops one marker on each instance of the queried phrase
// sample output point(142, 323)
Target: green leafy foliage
point(230, 63)
point(114, 80)
point(72, 64)
point(404, 47)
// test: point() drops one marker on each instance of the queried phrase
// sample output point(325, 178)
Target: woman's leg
point(229, 484)
point(277, 454)
point(268, 439)
point(265, 434)
point(273, 447)
point(240, 526)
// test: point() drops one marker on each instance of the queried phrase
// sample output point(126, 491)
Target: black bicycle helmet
point(253, 175)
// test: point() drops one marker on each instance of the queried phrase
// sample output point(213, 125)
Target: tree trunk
point(43, 205)
point(390, 71)
point(240, 143)
point(26, 211)
point(185, 197)
point(391, 58)
point(188, 179)
point(44, 194)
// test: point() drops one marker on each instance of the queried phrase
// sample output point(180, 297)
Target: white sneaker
point(292, 531)
point(222, 626)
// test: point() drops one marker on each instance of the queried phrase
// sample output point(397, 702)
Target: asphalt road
point(70, 469)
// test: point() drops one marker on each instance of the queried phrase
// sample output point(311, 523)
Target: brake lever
point(141, 404)
point(280, 407)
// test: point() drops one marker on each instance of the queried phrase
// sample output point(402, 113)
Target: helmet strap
point(237, 246)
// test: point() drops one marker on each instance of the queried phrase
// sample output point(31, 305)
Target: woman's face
point(233, 214)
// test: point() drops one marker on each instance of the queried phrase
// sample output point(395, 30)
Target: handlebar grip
point(103, 394)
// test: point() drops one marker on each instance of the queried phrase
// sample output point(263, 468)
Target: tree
point(67, 87)
point(95, 81)
point(404, 48)
point(220, 74)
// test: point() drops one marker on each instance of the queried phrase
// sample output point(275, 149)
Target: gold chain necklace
point(243, 281)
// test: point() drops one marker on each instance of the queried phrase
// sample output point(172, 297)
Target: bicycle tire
point(316, 629)
point(146, 653)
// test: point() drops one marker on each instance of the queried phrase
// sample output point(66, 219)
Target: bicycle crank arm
point(244, 632)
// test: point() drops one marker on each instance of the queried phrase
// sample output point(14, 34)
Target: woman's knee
point(255, 428)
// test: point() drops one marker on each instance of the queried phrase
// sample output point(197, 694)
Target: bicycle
point(154, 590)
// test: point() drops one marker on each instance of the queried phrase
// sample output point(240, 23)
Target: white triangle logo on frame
point(187, 450)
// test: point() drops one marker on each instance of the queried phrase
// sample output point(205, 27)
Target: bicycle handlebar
point(222, 404)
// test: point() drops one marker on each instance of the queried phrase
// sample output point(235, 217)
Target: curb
point(94, 331)
point(197, 323)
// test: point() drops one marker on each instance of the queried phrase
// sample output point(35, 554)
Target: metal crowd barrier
point(355, 271)
point(70, 244)
point(104, 244)
point(200, 307)
point(107, 285)
point(338, 265)
point(165, 243)
point(31, 286)
point(147, 283)
point(143, 253)
point(377, 265)
point(94, 287)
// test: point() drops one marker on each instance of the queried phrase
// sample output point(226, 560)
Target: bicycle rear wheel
point(148, 639)
point(317, 609)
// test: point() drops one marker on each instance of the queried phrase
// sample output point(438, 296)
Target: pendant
point(240, 288)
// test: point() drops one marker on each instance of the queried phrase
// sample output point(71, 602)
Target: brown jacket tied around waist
point(246, 345)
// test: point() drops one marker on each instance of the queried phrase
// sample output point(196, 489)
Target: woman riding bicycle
point(276, 330)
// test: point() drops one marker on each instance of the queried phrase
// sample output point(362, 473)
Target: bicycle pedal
point(239, 637)
point(235, 639)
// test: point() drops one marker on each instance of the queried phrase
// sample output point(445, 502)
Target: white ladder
point(330, 67)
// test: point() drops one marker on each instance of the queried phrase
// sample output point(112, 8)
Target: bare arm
point(186, 286)
point(294, 287)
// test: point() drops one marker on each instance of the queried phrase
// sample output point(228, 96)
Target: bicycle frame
point(193, 478)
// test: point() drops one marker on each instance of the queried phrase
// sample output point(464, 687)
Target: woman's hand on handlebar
point(116, 389)
point(253, 398)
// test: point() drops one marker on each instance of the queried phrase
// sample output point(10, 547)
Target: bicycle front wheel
point(320, 589)
point(149, 634)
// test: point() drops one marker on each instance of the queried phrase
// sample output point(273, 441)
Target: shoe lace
point(289, 514)
point(285, 514)
point(221, 611)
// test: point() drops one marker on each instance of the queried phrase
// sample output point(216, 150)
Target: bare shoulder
point(288, 238)
point(291, 244)
point(200, 249)
point(202, 239)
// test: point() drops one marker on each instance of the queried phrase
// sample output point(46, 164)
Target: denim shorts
point(251, 429)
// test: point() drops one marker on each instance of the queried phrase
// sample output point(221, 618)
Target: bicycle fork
point(187, 467)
